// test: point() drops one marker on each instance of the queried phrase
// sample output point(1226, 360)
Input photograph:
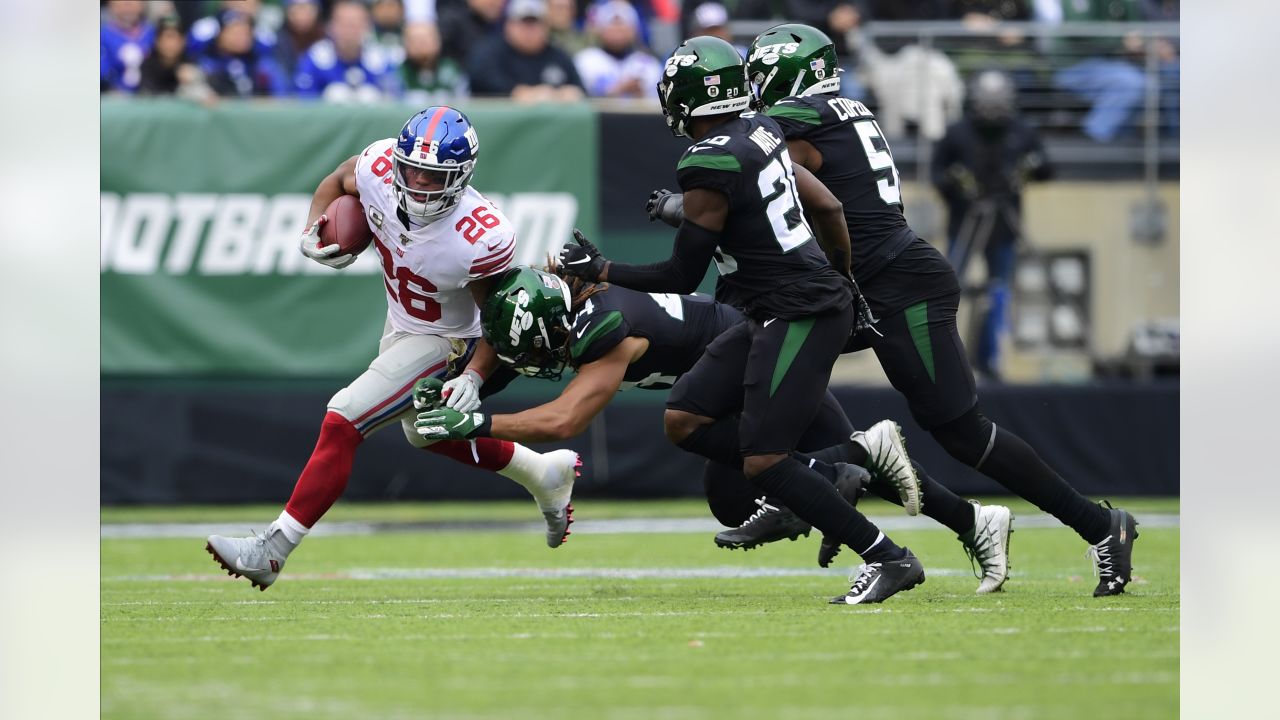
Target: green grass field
point(492, 624)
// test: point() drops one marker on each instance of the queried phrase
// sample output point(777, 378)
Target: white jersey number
point(778, 190)
point(669, 303)
point(880, 159)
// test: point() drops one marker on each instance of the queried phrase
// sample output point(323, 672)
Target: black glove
point(583, 259)
point(666, 206)
point(863, 319)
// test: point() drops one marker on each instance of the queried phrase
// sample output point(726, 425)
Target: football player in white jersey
point(440, 243)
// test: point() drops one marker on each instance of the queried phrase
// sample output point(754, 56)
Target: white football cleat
point(887, 461)
point(557, 491)
point(259, 558)
point(988, 545)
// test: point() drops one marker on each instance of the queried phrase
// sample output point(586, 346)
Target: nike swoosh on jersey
point(583, 330)
point(766, 322)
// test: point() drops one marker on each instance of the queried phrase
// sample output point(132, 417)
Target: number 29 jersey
point(857, 167)
point(426, 268)
point(770, 262)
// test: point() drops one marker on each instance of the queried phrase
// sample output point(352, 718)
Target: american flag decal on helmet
point(711, 80)
point(818, 64)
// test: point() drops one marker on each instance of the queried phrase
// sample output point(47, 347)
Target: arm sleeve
point(679, 273)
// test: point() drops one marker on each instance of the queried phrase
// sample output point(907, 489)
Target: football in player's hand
point(346, 226)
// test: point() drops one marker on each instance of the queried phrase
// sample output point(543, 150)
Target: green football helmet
point(792, 59)
point(705, 76)
point(526, 320)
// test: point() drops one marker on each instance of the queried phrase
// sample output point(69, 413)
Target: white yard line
point(621, 526)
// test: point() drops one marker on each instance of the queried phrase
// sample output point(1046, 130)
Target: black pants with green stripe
point(924, 359)
point(774, 372)
point(918, 345)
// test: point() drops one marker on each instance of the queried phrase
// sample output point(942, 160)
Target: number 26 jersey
point(426, 268)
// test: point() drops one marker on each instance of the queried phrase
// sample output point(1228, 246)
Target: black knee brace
point(969, 438)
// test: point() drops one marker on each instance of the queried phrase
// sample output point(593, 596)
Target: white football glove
point(463, 392)
point(310, 246)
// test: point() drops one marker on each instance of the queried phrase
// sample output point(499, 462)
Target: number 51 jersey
point(426, 268)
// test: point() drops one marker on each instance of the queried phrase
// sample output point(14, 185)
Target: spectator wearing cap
point(302, 29)
point(426, 77)
point(522, 63)
point(234, 66)
point(169, 70)
point(126, 38)
point(710, 18)
point(344, 67)
point(619, 67)
point(463, 28)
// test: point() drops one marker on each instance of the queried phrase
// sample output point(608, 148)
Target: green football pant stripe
point(918, 323)
point(797, 331)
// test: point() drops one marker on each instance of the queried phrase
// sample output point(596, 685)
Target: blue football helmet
point(434, 158)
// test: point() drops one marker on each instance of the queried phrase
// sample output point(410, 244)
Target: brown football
point(346, 226)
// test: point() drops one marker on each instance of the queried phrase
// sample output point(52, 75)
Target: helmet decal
point(526, 320)
point(792, 59)
point(704, 76)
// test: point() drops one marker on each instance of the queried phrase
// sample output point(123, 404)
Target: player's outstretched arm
point(705, 212)
point(827, 214)
point(565, 417)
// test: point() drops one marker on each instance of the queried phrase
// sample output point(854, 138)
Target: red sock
point(494, 454)
point(324, 478)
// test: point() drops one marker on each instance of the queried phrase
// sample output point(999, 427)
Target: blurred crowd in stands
point(429, 51)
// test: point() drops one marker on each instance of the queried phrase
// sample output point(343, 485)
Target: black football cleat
point(770, 523)
point(1113, 556)
point(879, 581)
point(851, 482)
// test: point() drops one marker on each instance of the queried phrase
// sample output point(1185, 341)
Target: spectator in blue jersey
point(126, 39)
point(344, 67)
point(205, 30)
point(235, 66)
point(302, 29)
point(522, 63)
point(619, 67)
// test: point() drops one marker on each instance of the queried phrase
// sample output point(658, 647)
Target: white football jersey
point(426, 268)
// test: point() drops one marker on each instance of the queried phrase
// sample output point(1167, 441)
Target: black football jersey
point(678, 328)
point(857, 167)
point(770, 262)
